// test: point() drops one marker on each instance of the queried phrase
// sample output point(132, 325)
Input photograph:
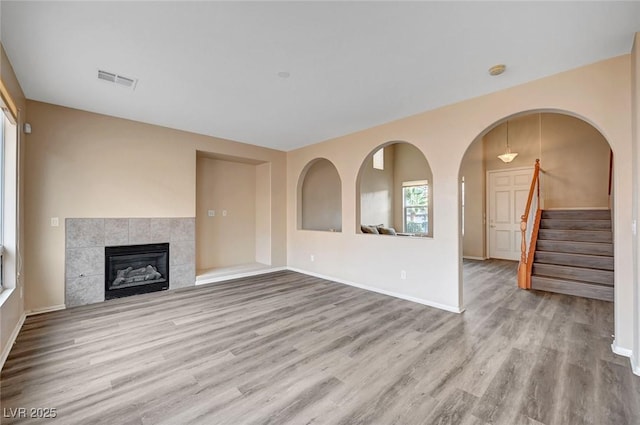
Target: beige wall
point(81, 164)
point(600, 93)
point(12, 307)
point(321, 197)
point(225, 240)
point(473, 171)
point(263, 213)
point(376, 190)
point(635, 121)
point(574, 157)
point(575, 161)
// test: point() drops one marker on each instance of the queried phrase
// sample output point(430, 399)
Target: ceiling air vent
point(124, 81)
point(117, 79)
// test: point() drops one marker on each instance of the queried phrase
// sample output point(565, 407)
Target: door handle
point(492, 226)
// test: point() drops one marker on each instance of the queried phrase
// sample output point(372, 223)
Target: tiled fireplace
point(87, 240)
point(135, 269)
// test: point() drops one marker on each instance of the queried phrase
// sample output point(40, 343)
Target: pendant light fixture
point(508, 156)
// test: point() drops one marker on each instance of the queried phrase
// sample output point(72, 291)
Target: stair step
point(604, 277)
point(578, 260)
point(554, 223)
point(572, 287)
point(575, 247)
point(578, 214)
point(576, 235)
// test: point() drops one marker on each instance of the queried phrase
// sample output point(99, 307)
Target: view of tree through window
point(415, 196)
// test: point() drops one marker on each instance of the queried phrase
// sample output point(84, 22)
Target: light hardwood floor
point(286, 348)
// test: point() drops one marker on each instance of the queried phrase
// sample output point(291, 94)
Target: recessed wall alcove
point(320, 197)
point(233, 216)
point(395, 192)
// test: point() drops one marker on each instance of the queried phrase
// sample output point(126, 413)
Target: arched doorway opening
point(573, 252)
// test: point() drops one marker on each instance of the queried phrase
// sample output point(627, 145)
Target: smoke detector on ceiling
point(118, 79)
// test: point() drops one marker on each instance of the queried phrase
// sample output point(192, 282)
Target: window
point(8, 190)
point(415, 206)
point(3, 120)
point(378, 159)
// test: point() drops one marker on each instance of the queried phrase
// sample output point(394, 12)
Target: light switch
point(211, 213)
point(224, 213)
point(55, 222)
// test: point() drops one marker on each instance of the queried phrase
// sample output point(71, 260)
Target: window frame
point(3, 118)
point(405, 207)
point(10, 139)
point(378, 159)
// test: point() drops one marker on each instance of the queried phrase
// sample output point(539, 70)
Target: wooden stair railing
point(529, 226)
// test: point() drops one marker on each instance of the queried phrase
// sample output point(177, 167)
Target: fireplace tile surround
point(86, 239)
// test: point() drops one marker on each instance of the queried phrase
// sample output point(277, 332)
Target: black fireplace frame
point(110, 251)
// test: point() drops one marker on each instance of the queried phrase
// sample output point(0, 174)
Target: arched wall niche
point(320, 197)
point(394, 191)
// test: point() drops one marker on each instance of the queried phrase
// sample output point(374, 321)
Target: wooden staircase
point(574, 254)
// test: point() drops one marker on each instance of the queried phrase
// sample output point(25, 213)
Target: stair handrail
point(529, 226)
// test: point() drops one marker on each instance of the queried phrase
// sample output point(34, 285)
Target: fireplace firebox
point(136, 269)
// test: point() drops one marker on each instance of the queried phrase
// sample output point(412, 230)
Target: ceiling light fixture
point(508, 156)
point(497, 69)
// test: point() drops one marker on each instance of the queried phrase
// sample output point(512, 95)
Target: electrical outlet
point(211, 213)
point(312, 258)
point(55, 222)
point(224, 213)
point(403, 274)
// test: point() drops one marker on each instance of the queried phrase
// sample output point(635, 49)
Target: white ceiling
point(212, 67)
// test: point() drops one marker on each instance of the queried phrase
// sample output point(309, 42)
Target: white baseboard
point(635, 365)
point(239, 275)
point(45, 309)
point(381, 291)
point(11, 340)
point(621, 350)
point(468, 257)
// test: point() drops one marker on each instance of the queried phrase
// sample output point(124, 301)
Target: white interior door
point(508, 192)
